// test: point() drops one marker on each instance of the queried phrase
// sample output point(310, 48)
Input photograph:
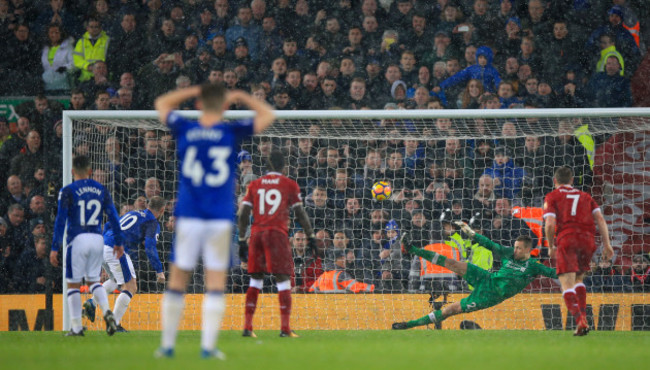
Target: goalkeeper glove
point(243, 250)
point(465, 228)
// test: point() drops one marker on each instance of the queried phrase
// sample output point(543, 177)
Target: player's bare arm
point(608, 252)
point(549, 232)
point(168, 102)
point(264, 115)
point(243, 221)
point(303, 219)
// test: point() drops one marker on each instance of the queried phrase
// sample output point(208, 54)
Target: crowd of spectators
point(316, 54)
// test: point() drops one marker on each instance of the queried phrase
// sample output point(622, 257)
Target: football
point(381, 190)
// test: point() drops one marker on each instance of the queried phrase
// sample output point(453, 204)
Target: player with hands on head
point(569, 216)
point(81, 206)
point(139, 227)
point(207, 152)
point(518, 269)
point(270, 199)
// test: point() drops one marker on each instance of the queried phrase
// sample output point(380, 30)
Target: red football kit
point(575, 230)
point(271, 197)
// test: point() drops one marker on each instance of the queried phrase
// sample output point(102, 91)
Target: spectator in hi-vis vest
point(338, 280)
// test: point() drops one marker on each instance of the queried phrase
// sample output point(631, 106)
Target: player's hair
point(563, 175)
point(276, 160)
point(212, 96)
point(81, 163)
point(156, 203)
point(526, 239)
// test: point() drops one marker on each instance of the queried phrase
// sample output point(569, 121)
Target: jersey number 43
point(214, 176)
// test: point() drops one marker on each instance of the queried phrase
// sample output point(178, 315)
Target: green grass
point(334, 350)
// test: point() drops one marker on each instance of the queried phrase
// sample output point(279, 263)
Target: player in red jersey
point(570, 215)
point(270, 198)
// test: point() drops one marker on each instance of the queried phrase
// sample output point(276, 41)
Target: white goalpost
point(435, 161)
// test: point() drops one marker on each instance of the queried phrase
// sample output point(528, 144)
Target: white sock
point(100, 296)
point(110, 285)
point(74, 306)
point(172, 310)
point(214, 305)
point(121, 304)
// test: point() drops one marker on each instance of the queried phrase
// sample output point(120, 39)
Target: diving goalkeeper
point(490, 289)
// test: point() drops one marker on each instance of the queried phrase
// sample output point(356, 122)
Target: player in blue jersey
point(139, 227)
point(82, 205)
point(205, 210)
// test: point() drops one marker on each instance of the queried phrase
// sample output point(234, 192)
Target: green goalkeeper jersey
point(513, 276)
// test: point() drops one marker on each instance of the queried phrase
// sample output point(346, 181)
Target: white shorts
point(121, 270)
point(208, 238)
point(84, 258)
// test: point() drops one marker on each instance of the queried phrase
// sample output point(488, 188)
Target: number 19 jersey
point(271, 196)
point(207, 166)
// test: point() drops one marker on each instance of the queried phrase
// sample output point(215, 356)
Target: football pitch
point(414, 349)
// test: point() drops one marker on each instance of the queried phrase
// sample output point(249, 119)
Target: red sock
point(571, 301)
point(251, 303)
point(581, 293)
point(285, 309)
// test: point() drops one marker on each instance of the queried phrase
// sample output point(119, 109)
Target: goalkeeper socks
point(100, 296)
point(581, 293)
point(571, 302)
point(433, 257)
point(172, 310)
point(214, 305)
point(121, 304)
point(110, 285)
point(435, 316)
point(284, 295)
point(251, 303)
point(74, 305)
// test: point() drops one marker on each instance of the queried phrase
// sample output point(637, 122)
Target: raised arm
point(168, 102)
point(608, 252)
point(264, 115)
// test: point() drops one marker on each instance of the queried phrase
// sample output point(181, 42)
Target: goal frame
point(69, 116)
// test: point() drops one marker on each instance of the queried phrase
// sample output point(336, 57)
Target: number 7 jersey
point(207, 166)
point(271, 197)
point(573, 210)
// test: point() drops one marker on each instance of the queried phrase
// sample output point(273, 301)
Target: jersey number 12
point(93, 206)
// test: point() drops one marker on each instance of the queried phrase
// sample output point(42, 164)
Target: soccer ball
point(381, 190)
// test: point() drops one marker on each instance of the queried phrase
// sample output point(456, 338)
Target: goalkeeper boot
point(120, 329)
point(289, 334)
point(582, 328)
point(215, 353)
point(72, 333)
point(248, 333)
point(399, 326)
point(405, 242)
point(111, 326)
point(89, 309)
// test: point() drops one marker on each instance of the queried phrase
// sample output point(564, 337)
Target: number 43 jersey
point(206, 158)
point(271, 196)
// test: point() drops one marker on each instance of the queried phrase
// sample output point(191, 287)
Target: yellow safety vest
point(85, 53)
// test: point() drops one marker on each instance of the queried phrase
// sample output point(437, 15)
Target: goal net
point(488, 168)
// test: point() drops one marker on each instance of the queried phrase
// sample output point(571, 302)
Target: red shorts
point(574, 252)
point(269, 252)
